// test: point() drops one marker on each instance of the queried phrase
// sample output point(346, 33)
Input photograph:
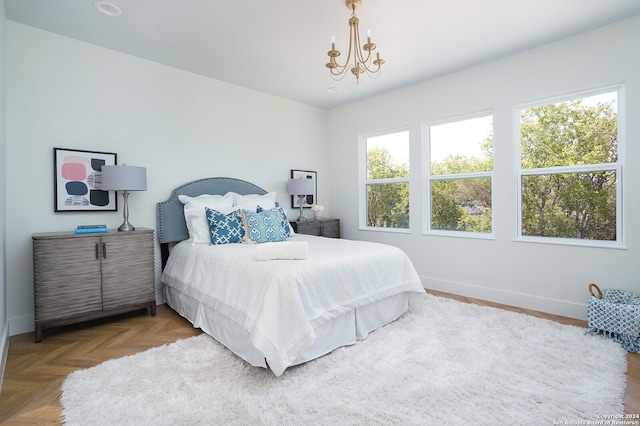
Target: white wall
point(4, 324)
point(181, 126)
point(549, 278)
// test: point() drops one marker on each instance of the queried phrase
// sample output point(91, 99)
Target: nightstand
point(80, 277)
point(321, 227)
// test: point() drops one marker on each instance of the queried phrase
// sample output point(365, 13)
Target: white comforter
point(281, 302)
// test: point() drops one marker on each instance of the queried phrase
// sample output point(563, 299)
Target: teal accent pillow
point(225, 228)
point(265, 226)
point(283, 219)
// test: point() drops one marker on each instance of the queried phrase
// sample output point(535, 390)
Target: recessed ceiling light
point(333, 90)
point(108, 8)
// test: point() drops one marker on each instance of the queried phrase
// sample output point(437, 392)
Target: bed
point(286, 310)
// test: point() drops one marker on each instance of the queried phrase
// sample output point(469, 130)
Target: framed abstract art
point(77, 180)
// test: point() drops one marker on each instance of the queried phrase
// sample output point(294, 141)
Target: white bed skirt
point(341, 331)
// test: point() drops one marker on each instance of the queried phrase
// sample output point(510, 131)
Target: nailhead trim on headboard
point(172, 227)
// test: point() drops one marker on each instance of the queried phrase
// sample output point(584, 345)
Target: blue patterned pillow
point(225, 228)
point(283, 219)
point(265, 226)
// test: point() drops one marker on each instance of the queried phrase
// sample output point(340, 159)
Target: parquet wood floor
point(34, 372)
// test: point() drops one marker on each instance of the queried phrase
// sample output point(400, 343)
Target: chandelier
point(359, 59)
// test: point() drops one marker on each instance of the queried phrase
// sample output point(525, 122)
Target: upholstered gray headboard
point(172, 227)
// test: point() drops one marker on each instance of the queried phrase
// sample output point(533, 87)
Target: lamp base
point(301, 218)
point(126, 227)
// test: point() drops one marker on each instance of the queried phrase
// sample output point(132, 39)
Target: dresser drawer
point(322, 227)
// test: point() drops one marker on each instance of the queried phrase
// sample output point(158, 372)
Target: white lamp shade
point(300, 186)
point(124, 178)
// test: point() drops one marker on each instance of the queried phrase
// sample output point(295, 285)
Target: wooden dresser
point(320, 227)
point(82, 277)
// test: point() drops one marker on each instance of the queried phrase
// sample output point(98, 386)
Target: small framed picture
point(310, 199)
point(77, 180)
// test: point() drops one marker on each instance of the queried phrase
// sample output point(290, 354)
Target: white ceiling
point(279, 46)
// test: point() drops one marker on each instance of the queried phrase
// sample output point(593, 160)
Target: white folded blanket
point(282, 250)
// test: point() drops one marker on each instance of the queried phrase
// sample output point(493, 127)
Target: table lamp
point(300, 187)
point(124, 178)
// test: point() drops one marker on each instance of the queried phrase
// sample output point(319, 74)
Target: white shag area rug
point(446, 362)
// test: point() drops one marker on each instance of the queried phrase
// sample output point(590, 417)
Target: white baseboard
point(519, 300)
point(26, 324)
point(20, 325)
point(4, 350)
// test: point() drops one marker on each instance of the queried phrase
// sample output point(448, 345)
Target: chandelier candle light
point(362, 62)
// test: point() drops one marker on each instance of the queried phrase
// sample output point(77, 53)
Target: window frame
point(364, 181)
point(618, 167)
point(428, 178)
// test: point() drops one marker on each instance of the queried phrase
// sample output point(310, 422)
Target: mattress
point(279, 313)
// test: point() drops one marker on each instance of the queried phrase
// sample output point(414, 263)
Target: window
point(386, 183)
point(460, 176)
point(569, 170)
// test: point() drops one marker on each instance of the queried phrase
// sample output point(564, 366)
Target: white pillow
point(196, 217)
point(252, 201)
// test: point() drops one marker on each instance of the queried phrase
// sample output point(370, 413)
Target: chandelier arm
point(353, 33)
point(372, 67)
point(340, 69)
point(357, 49)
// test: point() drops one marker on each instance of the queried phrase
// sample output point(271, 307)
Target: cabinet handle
point(97, 251)
point(104, 250)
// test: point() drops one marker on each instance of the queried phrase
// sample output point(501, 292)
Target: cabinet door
point(66, 277)
point(127, 269)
